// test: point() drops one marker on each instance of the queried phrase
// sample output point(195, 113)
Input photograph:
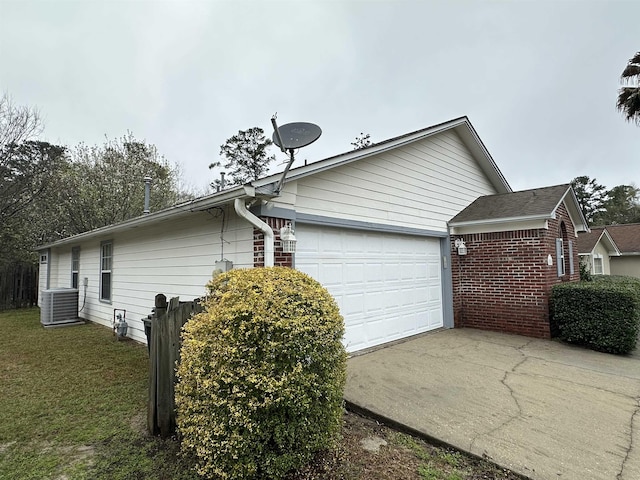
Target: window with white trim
point(75, 266)
point(598, 265)
point(106, 263)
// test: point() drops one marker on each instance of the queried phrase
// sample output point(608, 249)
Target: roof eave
point(461, 125)
point(527, 218)
point(613, 249)
point(195, 205)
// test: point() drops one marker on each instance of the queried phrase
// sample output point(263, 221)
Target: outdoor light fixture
point(462, 248)
point(288, 239)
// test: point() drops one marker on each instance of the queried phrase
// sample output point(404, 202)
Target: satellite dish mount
point(291, 137)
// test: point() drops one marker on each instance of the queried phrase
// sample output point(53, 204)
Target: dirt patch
point(397, 456)
point(138, 422)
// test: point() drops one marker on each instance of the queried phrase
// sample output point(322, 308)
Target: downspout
point(241, 209)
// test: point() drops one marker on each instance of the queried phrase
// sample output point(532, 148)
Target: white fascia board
point(580, 223)
point(461, 125)
point(195, 205)
point(497, 221)
point(612, 248)
point(493, 227)
point(473, 142)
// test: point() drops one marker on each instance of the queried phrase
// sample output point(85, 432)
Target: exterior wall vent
point(59, 306)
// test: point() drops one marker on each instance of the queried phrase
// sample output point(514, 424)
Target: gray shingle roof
point(587, 240)
point(536, 202)
point(626, 236)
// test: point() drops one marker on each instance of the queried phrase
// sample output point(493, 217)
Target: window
point(564, 251)
point(75, 266)
point(560, 255)
point(43, 258)
point(597, 265)
point(106, 263)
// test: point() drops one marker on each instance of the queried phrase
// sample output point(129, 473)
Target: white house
point(595, 249)
point(370, 224)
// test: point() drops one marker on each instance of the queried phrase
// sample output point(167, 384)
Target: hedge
point(262, 374)
point(603, 314)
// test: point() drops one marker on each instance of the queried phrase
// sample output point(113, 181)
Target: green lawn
point(73, 405)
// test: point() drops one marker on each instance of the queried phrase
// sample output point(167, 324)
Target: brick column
point(281, 259)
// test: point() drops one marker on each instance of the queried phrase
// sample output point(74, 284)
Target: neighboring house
point(370, 224)
point(627, 239)
point(516, 246)
point(595, 248)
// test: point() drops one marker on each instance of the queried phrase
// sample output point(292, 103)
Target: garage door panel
point(387, 286)
point(354, 273)
point(435, 295)
point(353, 304)
point(374, 273)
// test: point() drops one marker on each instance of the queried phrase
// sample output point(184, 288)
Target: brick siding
point(504, 282)
point(280, 258)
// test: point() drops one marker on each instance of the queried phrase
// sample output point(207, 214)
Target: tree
point(622, 205)
point(590, 195)
point(362, 141)
point(17, 123)
point(105, 184)
point(29, 173)
point(246, 155)
point(629, 95)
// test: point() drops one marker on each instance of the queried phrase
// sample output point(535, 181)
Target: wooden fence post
point(152, 413)
point(166, 327)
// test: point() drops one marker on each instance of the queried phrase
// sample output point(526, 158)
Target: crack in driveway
point(503, 381)
point(620, 475)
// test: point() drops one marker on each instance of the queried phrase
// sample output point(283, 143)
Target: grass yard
point(73, 407)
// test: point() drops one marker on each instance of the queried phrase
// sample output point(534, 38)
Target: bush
point(603, 314)
point(262, 375)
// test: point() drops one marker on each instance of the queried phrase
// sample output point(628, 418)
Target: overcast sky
point(537, 79)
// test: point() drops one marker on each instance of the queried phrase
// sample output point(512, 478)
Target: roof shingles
point(587, 240)
point(527, 203)
point(627, 237)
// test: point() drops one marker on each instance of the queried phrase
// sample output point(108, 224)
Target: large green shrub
point(603, 314)
point(262, 374)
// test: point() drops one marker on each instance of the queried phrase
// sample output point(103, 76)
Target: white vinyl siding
point(421, 185)
point(601, 252)
point(176, 258)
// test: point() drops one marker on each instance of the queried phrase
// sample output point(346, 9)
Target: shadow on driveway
point(540, 408)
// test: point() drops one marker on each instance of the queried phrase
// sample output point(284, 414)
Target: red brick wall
point(280, 258)
point(504, 281)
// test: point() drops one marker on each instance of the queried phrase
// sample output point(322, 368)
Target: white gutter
point(241, 209)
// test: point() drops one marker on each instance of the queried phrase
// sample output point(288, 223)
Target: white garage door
point(388, 286)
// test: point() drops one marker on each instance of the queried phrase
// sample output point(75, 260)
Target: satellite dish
point(296, 135)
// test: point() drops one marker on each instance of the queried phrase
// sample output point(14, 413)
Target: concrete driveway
point(540, 408)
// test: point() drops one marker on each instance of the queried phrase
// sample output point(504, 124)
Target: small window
point(560, 256)
point(43, 258)
point(598, 268)
point(106, 263)
point(75, 266)
point(564, 251)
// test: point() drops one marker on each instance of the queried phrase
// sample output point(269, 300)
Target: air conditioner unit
point(59, 306)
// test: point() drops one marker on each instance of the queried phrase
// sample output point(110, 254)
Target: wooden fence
point(164, 353)
point(18, 286)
